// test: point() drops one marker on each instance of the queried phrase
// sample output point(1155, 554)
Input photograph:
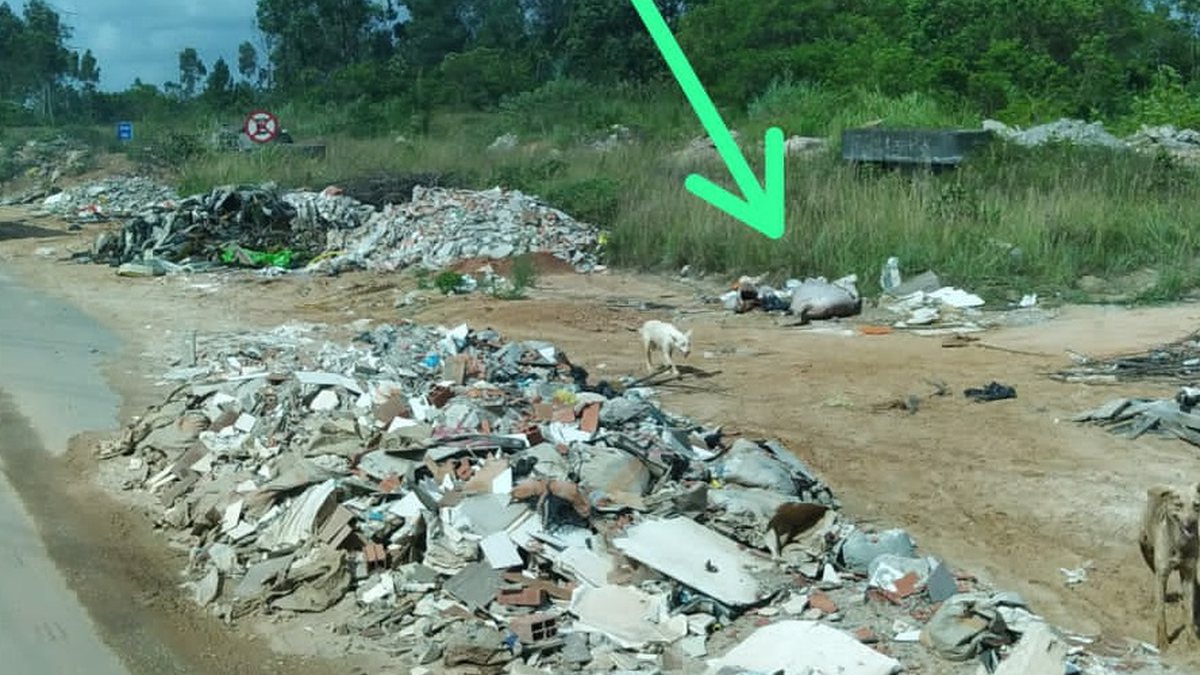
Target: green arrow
point(761, 207)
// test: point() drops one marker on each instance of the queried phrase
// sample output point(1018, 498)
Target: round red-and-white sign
point(261, 126)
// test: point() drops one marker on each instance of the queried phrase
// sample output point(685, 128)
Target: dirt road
point(1009, 490)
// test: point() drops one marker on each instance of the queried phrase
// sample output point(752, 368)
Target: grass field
point(1011, 221)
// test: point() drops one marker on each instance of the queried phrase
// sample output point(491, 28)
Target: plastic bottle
point(889, 276)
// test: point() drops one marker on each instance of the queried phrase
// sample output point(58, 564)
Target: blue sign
point(124, 131)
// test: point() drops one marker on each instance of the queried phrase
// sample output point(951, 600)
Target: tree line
point(1014, 59)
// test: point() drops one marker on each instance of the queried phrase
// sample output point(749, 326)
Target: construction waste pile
point(478, 504)
point(43, 162)
point(441, 226)
point(1183, 144)
point(111, 198)
point(330, 232)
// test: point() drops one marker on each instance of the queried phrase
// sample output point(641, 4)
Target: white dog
point(668, 339)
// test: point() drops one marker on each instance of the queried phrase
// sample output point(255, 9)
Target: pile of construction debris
point(1071, 131)
point(1183, 144)
point(331, 232)
point(111, 198)
point(477, 502)
point(44, 162)
point(203, 227)
point(1177, 363)
point(1134, 417)
point(441, 226)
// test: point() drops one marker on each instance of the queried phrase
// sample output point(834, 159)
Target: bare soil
point(1009, 490)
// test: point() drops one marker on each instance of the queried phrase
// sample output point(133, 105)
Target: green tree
point(191, 71)
point(310, 39)
point(14, 71)
point(218, 88)
point(43, 51)
point(435, 29)
point(247, 61)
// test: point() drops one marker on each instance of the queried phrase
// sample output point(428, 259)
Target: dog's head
point(684, 345)
point(1183, 508)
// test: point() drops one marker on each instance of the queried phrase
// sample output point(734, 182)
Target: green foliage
point(817, 110)
point(522, 277)
point(591, 200)
point(448, 281)
point(1166, 102)
point(480, 77)
point(171, 148)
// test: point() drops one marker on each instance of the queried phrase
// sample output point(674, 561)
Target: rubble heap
point(1177, 362)
point(44, 161)
point(476, 502)
point(114, 197)
point(1184, 143)
point(336, 232)
point(202, 227)
point(1133, 417)
point(440, 226)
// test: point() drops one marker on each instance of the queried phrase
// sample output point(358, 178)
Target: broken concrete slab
point(1040, 651)
point(627, 616)
point(696, 556)
point(797, 646)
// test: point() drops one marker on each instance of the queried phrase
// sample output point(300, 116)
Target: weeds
point(1028, 220)
point(523, 276)
point(448, 282)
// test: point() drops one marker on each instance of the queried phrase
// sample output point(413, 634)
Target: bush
point(592, 200)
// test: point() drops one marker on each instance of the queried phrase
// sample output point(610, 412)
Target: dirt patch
point(543, 264)
point(11, 230)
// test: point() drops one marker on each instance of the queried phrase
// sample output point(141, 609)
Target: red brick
point(389, 484)
point(907, 585)
point(562, 592)
point(526, 597)
point(439, 396)
point(534, 627)
point(822, 602)
point(534, 435)
point(375, 554)
point(866, 636)
point(880, 595)
point(589, 419)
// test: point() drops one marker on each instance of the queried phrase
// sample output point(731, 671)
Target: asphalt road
point(50, 389)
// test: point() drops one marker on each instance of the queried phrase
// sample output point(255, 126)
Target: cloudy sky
point(133, 38)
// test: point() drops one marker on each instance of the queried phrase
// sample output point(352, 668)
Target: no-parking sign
point(261, 126)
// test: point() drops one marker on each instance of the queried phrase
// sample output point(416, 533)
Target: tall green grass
point(1009, 220)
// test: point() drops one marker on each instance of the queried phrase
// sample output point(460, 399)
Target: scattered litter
point(992, 391)
point(1177, 362)
point(1135, 417)
point(1076, 576)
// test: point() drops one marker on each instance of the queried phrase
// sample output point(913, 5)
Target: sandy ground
point(1009, 490)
